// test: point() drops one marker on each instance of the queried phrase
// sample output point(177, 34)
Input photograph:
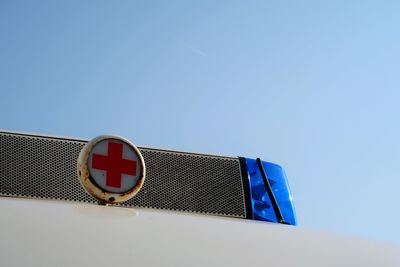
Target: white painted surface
point(54, 233)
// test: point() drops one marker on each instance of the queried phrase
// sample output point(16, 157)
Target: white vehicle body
point(56, 233)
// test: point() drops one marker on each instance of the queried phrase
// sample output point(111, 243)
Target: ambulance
point(106, 202)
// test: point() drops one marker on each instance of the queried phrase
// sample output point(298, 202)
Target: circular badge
point(111, 169)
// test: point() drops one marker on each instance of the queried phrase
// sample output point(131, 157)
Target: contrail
point(195, 50)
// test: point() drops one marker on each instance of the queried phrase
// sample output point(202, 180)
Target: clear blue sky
point(311, 85)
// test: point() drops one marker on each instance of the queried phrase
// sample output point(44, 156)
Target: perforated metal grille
point(45, 167)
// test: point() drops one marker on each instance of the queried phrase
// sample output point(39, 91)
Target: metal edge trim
point(65, 138)
point(246, 187)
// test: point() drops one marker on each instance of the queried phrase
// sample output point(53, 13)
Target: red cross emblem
point(111, 169)
point(114, 164)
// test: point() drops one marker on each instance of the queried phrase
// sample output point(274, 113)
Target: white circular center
point(114, 166)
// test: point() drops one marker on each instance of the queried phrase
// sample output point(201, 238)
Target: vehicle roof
point(57, 233)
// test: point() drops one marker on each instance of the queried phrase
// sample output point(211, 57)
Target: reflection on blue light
point(261, 203)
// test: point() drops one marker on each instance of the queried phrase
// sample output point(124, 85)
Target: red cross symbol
point(114, 164)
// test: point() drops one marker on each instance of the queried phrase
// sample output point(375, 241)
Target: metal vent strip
point(45, 167)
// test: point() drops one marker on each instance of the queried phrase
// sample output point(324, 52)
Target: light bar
point(46, 167)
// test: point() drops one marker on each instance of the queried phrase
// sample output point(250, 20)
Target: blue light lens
point(260, 200)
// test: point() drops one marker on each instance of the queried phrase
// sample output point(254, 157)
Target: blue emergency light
point(269, 191)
